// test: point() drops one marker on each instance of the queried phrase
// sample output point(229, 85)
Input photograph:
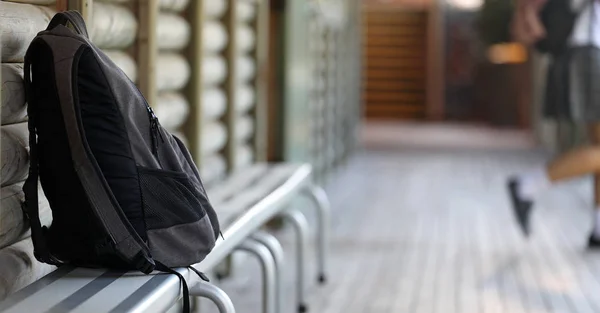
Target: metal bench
point(250, 199)
point(245, 203)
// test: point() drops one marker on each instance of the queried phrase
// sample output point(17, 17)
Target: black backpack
point(558, 19)
point(124, 192)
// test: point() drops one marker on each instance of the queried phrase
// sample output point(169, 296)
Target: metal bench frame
point(273, 205)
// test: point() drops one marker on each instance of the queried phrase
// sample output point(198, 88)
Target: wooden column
point(261, 54)
point(195, 88)
point(147, 49)
point(231, 54)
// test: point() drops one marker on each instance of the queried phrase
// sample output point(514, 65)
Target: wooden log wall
point(173, 70)
point(208, 134)
point(250, 27)
point(20, 22)
point(199, 64)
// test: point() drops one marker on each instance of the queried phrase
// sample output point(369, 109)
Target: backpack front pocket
point(179, 230)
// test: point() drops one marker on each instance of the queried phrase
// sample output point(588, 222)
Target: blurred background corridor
point(412, 115)
point(422, 223)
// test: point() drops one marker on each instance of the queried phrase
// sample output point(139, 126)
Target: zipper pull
point(154, 123)
point(154, 131)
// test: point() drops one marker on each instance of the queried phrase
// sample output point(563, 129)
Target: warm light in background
point(469, 5)
point(507, 53)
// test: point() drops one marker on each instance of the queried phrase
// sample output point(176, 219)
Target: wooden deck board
point(427, 228)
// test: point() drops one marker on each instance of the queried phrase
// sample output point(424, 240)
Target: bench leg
point(300, 224)
point(319, 197)
point(276, 250)
point(215, 294)
point(269, 272)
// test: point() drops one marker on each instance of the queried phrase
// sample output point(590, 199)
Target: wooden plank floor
point(427, 228)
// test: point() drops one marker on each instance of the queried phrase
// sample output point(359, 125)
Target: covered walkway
point(422, 224)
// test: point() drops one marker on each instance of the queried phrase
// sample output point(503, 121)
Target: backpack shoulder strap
point(127, 243)
point(73, 17)
point(30, 188)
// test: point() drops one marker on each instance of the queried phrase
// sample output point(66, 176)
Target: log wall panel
point(14, 109)
point(20, 21)
point(172, 31)
point(215, 9)
point(245, 99)
point(13, 225)
point(173, 5)
point(15, 153)
point(214, 137)
point(20, 24)
point(172, 110)
point(113, 26)
point(172, 72)
point(214, 103)
point(215, 37)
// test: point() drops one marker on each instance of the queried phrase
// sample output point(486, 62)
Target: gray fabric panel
point(132, 107)
point(88, 291)
point(180, 245)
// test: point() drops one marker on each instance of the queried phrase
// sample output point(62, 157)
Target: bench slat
point(219, 192)
point(254, 217)
point(253, 193)
point(80, 289)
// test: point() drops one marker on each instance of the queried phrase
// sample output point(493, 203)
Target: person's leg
point(574, 163)
point(525, 188)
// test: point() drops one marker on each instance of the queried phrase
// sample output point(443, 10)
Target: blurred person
point(571, 94)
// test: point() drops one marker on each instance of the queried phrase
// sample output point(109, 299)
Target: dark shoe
point(593, 242)
point(521, 207)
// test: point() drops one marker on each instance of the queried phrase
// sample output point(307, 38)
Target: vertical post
point(296, 82)
point(261, 25)
point(61, 5)
point(195, 87)
point(231, 55)
point(147, 49)
point(83, 6)
point(435, 61)
point(360, 105)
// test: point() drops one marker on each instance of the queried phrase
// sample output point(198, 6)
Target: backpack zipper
point(154, 131)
